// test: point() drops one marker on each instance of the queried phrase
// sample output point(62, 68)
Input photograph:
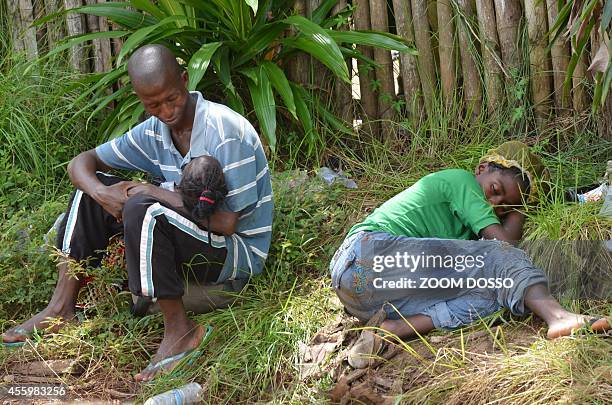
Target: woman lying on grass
point(418, 259)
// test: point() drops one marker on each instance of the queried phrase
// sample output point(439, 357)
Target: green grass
point(252, 356)
point(36, 142)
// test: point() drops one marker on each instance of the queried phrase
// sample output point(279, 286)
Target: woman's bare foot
point(174, 342)
point(565, 325)
point(48, 320)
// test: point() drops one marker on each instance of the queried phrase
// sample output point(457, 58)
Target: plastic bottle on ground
point(187, 394)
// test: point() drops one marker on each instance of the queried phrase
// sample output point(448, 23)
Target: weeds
point(35, 144)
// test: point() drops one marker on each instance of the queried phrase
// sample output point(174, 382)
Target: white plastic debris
point(187, 394)
point(330, 177)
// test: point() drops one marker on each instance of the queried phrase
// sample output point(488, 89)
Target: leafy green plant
point(577, 19)
point(233, 50)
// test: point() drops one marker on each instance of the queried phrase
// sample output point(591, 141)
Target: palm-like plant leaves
point(199, 63)
point(242, 39)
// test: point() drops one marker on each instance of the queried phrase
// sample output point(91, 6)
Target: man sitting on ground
point(159, 235)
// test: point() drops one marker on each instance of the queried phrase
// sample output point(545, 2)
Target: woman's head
point(503, 187)
point(202, 186)
point(512, 175)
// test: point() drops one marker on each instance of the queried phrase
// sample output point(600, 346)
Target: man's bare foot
point(47, 320)
point(174, 342)
point(565, 325)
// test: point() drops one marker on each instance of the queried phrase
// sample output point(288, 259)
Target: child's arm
point(510, 230)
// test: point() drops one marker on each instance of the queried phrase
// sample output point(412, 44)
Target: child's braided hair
point(202, 187)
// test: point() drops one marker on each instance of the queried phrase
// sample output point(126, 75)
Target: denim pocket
point(343, 258)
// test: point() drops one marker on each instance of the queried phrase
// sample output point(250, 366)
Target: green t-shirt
point(448, 204)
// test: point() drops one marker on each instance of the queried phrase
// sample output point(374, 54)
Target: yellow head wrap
point(517, 154)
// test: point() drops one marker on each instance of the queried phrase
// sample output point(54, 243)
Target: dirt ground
point(401, 369)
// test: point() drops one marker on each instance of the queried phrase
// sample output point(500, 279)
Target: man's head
point(503, 187)
point(160, 84)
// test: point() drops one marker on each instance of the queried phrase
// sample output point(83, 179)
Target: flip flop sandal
point(34, 335)
point(370, 344)
point(186, 358)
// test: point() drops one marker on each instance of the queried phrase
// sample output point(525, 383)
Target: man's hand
point(112, 198)
point(171, 198)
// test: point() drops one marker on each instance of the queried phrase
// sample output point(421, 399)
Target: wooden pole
point(105, 44)
point(384, 73)
point(408, 63)
point(318, 74)
point(15, 25)
point(560, 59)
point(54, 30)
point(508, 16)
point(432, 18)
point(448, 70)
point(298, 68)
point(369, 103)
point(76, 26)
point(490, 52)
point(580, 98)
point(93, 25)
point(343, 93)
point(535, 13)
point(38, 11)
point(26, 12)
point(427, 71)
point(472, 90)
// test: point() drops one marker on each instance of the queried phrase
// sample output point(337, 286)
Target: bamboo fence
point(470, 51)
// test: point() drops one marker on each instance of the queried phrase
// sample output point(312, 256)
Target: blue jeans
point(455, 282)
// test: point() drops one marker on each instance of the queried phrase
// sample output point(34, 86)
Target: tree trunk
point(579, 96)
point(508, 17)
point(343, 94)
point(384, 73)
point(408, 63)
point(490, 53)
point(427, 71)
point(26, 12)
point(366, 75)
point(535, 13)
point(76, 26)
point(560, 59)
point(472, 91)
point(298, 68)
point(448, 70)
point(105, 44)
point(54, 30)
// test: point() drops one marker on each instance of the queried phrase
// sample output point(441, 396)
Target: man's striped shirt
point(227, 136)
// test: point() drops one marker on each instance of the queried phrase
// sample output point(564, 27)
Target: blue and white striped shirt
point(227, 136)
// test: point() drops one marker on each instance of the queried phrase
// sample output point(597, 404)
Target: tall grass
point(35, 142)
